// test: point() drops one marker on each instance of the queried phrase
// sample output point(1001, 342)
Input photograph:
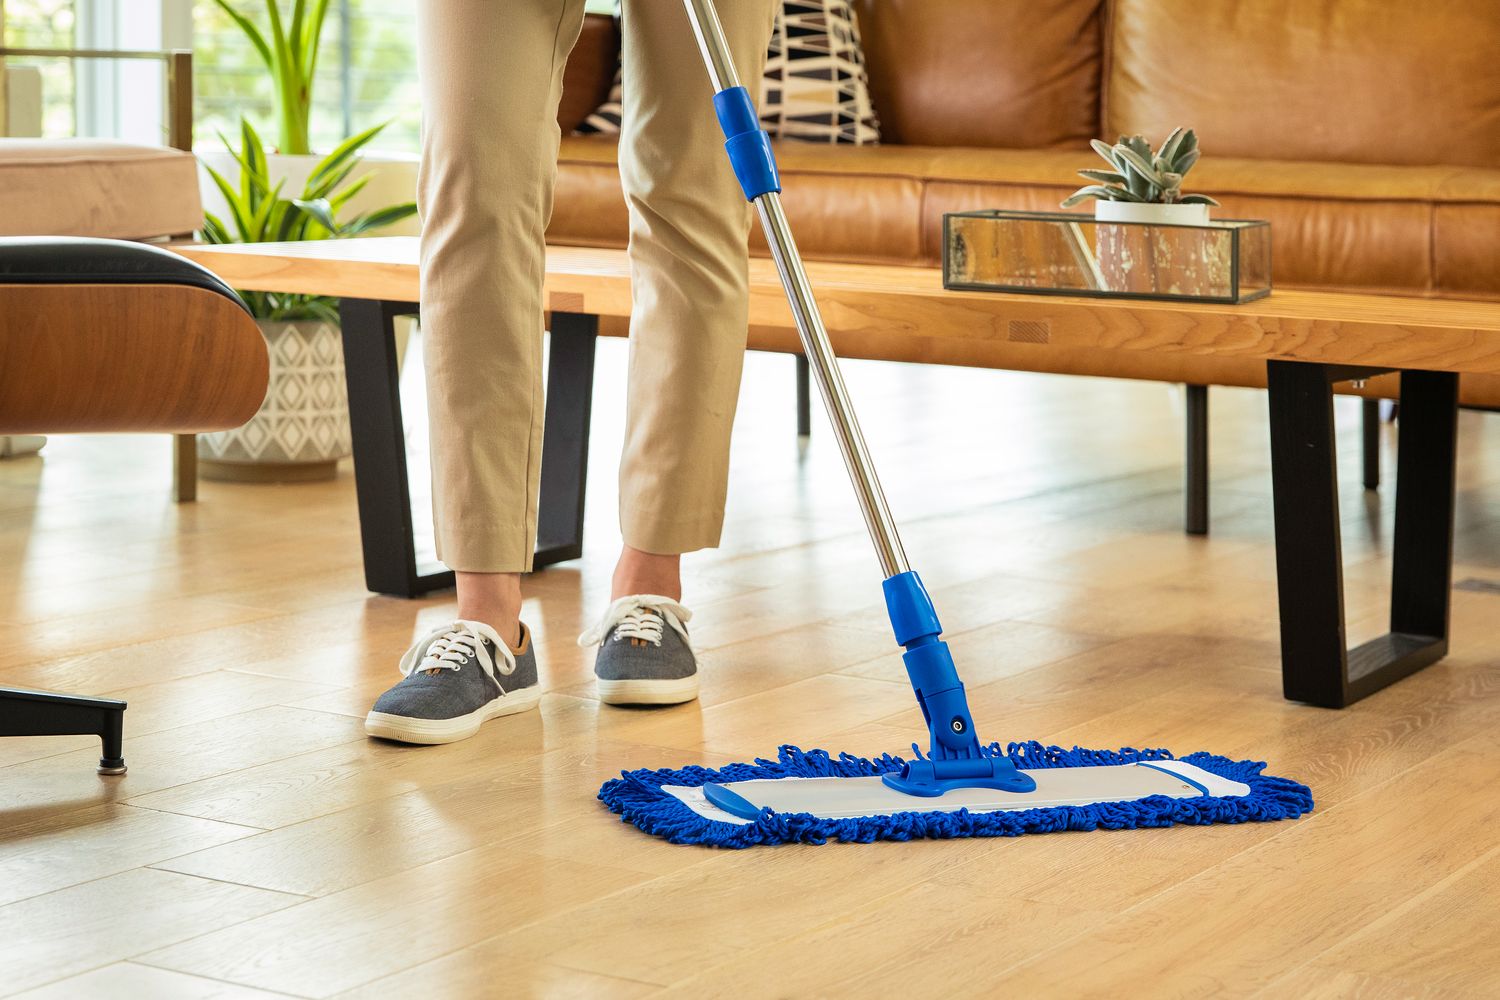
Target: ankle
point(640, 572)
point(495, 600)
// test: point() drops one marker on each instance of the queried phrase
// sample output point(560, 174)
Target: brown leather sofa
point(1366, 131)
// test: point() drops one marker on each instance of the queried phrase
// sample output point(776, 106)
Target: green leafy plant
point(1137, 174)
point(259, 214)
point(289, 48)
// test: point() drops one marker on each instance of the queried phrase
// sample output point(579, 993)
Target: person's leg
point(491, 78)
point(688, 245)
point(491, 81)
point(689, 225)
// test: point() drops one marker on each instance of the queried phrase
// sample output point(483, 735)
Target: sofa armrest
point(106, 335)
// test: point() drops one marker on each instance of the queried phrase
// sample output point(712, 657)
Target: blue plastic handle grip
point(912, 614)
point(748, 145)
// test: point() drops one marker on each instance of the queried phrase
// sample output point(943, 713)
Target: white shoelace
point(450, 645)
point(639, 616)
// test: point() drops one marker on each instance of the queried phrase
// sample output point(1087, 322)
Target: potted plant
point(302, 428)
point(290, 52)
point(289, 47)
point(1143, 186)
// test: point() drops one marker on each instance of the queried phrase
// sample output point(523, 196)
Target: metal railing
point(179, 70)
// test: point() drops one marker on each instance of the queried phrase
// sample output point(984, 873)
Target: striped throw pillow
point(814, 89)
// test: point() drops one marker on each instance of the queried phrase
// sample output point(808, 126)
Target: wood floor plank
point(131, 981)
point(1307, 889)
point(733, 904)
point(474, 808)
point(173, 703)
point(1447, 939)
point(468, 973)
point(757, 724)
point(1316, 983)
point(54, 852)
point(61, 934)
point(360, 935)
point(171, 757)
point(934, 933)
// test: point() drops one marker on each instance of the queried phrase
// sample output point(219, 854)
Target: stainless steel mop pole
point(956, 759)
point(814, 334)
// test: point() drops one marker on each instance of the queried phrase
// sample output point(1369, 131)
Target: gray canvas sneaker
point(644, 656)
point(454, 680)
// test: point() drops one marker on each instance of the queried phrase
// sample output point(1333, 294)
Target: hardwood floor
point(261, 846)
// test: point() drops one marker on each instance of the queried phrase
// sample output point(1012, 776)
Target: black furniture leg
point(1317, 667)
point(379, 440)
point(1427, 448)
point(42, 713)
point(392, 564)
point(565, 439)
point(1195, 489)
point(1369, 416)
point(804, 398)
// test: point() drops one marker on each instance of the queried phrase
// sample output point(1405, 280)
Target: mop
point(961, 787)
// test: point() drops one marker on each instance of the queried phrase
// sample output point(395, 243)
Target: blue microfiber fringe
point(638, 798)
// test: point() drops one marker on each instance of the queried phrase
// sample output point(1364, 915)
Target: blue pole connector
point(956, 758)
point(748, 145)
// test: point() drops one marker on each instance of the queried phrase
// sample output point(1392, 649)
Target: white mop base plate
point(839, 798)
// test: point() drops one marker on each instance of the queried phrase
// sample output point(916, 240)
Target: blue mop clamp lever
point(748, 145)
point(956, 759)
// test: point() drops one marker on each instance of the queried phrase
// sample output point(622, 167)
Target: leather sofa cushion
point(1411, 230)
point(1354, 81)
point(860, 204)
point(590, 71)
point(1015, 74)
point(96, 187)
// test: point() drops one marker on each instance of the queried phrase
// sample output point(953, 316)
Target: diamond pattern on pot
point(305, 417)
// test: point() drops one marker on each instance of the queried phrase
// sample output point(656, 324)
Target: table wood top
point(882, 300)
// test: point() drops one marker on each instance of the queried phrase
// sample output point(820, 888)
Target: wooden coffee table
point(1309, 341)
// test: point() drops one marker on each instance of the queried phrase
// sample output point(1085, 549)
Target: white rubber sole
point(648, 692)
point(433, 731)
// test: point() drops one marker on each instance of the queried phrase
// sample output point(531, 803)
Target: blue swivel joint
point(748, 145)
point(956, 758)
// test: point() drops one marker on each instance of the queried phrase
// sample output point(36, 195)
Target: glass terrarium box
point(1060, 253)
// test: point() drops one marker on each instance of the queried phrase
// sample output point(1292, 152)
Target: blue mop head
point(639, 799)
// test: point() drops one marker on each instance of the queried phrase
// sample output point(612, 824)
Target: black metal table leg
point(379, 439)
point(1195, 488)
point(1317, 666)
point(1427, 443)
point(43, 713)
point(1369, 417)
point(565, 439)
point(392, 563)
point(804, 397)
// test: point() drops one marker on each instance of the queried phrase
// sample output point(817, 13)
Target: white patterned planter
point(302, 428)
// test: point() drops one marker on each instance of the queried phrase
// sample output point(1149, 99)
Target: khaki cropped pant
point(491, 75)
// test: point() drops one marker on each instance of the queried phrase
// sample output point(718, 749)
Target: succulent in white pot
point(1143, 186)
point(302, 428)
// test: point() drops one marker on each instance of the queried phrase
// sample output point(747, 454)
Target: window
point(45, 24)
point(95, 97)
point(367, 68)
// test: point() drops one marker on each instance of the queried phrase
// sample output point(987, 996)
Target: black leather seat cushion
point(78, 260)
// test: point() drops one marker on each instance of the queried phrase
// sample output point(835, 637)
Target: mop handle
point(750, 153)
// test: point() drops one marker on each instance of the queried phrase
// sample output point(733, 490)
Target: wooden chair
point(104, 335)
